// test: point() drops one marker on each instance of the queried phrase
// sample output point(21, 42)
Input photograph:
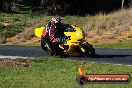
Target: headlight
point(79, 33)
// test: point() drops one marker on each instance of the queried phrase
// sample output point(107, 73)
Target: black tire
point(77, 49)
point(46, 47)
point(81, 80)
point(43, 43)
point(89, 50)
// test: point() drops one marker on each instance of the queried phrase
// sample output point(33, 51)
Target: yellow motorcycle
point(74, 45)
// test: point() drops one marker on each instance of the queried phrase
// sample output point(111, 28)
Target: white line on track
point(13, 57)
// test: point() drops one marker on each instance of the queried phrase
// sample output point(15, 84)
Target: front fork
point(80, 46)
point(82, 49)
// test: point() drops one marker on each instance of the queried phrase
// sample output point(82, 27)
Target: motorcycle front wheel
point(89, 50)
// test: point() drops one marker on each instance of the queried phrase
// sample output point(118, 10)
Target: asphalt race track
point(104, 55)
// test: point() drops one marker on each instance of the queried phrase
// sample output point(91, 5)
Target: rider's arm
point(50, 31)
point(48, 26)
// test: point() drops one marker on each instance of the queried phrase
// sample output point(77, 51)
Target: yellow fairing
point(76, 39)
point(77, 35)
point(38, 31)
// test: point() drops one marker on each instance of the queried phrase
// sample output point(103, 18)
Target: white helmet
point(56, 20)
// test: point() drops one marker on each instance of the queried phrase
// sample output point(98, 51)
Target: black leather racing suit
point(56, 36)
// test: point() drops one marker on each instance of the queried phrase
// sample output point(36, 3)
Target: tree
point(122, 5)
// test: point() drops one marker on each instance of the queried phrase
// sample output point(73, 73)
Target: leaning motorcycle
point(74, 45)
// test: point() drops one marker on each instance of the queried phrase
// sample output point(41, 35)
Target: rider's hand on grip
point(55, 40)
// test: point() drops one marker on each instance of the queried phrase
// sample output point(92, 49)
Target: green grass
point(55, 72)
point(21, 22)
point(17, 24)
point(124, 44)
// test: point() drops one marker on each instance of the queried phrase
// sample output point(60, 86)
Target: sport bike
point(74, 44)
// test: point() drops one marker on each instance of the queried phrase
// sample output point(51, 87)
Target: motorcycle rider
point(55, 32)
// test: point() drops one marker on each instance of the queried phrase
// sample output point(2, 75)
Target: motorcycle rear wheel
point(46, 47)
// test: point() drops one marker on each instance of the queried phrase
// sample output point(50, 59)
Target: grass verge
point(55, 72)
point(125, 44)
